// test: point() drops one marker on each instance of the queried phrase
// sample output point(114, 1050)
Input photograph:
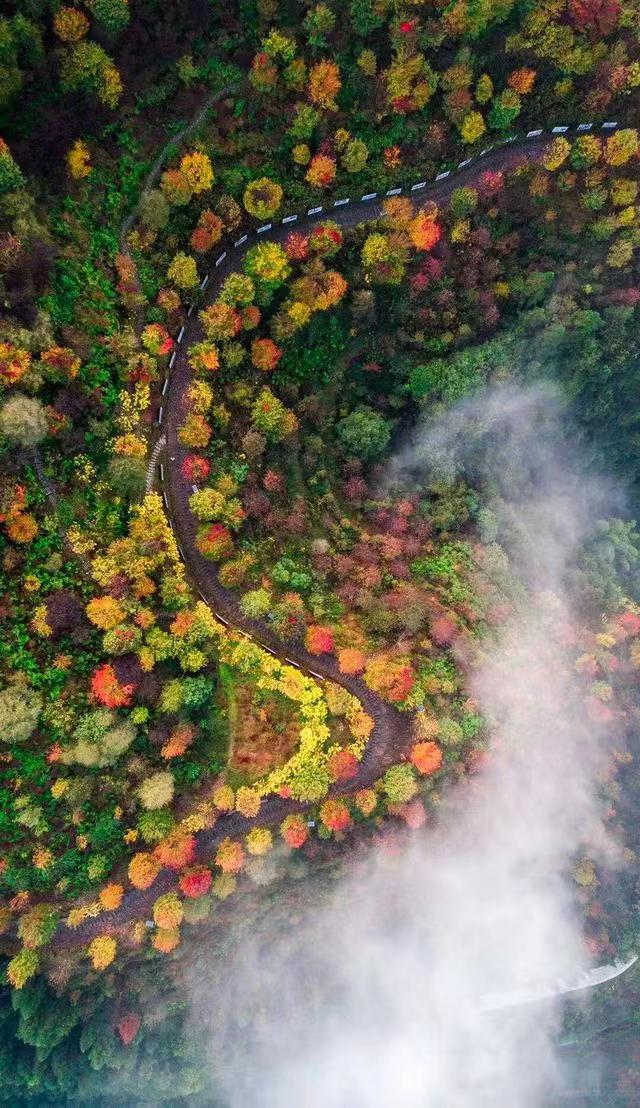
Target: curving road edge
point(389, 737)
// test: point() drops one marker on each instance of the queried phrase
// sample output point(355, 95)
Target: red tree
point(128, 1027)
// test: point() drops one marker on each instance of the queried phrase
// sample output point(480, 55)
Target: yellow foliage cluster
point(132, 404)
point(111, 896)
point(197, 171)
point(247, 802)
point(305, 773)
point(79, 160)
point(70, 24)
point(168, 912)
point(409, 79)
point(105, 612)
point(325, 84)
point(102, 951)
point(259, 841)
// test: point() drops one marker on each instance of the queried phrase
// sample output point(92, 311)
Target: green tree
point(364, 433)
point(610, 563)
point(127, 475)
point(400, 783)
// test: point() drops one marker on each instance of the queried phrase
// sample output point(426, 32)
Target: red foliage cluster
point(355, 488)
point(343, 766)
point(265, 354)
point(128, 1027)
point(443, 631)
point(426, 757)
point(335, 815)
point(177, 850)
point(195, 881)
point(106, 688)
point(294, 831)
point(598, 16)
point(273, 481)
point(325, 239)
point(215, 542)
point(296, 246)
point(195, 468)
point(319, 640)
point(630, 622)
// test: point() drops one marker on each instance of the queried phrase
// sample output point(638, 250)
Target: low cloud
point(398, 986)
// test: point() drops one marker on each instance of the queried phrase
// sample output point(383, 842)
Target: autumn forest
point(319, 552)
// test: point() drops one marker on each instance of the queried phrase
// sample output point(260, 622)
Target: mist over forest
point(319, 554)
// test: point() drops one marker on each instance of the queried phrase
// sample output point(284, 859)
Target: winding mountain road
point(390, 735)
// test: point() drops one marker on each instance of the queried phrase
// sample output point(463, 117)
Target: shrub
point(70, 24)
point(166, 939)
point(321, 171)
point(621, 146)
point(183, 271)
point(88, 67)
point(335, 815)
point(177, 850)
point(267, 263)
point(107, 690)
point(424, 232)
point(98, 743)
point(79, 161)
point(366, 801)
point(356, 156)
point(325, 84)
point(37, 926)
point(265, 354)
point(269, 415)
point(207, 232)
point(215, 542)
point(224, 798)
point(556, 153)
point(343, 765)
point(105, 612)
point(110, 896)
point(473, 127)
point(450, 732)
point(256, 603)
point(224, 885)
point(351, 661)
point(319, 640)
point(114, 15)
point(463, 201)
point(128, 1027)
point(197, 171)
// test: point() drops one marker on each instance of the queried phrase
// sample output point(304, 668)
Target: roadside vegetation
point(139, 142)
